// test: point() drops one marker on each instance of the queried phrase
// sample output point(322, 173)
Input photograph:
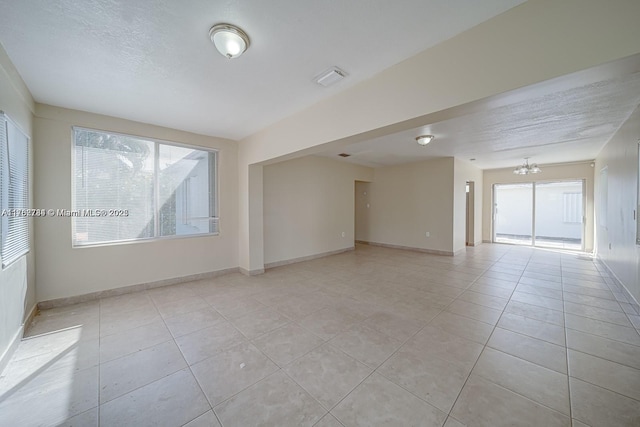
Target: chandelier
point(526, 169)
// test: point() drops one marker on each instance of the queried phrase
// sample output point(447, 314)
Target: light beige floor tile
point(532, 327)
point(436, 342)
point(86, 419)
point(130, 341)
point(232, 371)
point(614, 351)
point(328, 421)
point(535, 312)
point(115, 322)
point(125, 303)
point(287, 343)
point(167, 294)
point(429, 377)
point(581, 290)
point(541, 301)
point(603, 329)
point(598, 407)
point(181, 306)
point(547, 387)
point(208, 342)
point(540, 283)
point(531, 349)
point(483, 403)
point(259, 322)
point(274, 401)
point(452, 422)
point(234, 307)
point(87, 324)
point(170, 401)
point(540, 291)
point(604, 373)
point(461, 326)
point(474, 311)
point(393, 325)
point(379, 402)
point(495, 291)
point(52, 400)
point(120, 376)
point(327, 374)
point(366, 345)
point(484, 300)
point(208, 419)
point(543, 276)
point(593, 301)
point(194, 321)
point(328, 322)
point(296, 307)
point(504, 284)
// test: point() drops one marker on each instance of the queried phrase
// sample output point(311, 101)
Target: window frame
point(24, 241)
point(157, 142)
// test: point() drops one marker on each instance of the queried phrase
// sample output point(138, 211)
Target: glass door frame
point(533, 207)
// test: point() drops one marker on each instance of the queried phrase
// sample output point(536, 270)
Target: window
point(14, 191)
point(129, 188)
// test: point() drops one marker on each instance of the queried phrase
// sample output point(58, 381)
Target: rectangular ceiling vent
point(344, 155)
point(330, 76)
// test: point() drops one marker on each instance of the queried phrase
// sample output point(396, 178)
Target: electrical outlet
point(427, 234)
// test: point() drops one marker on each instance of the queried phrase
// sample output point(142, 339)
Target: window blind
point(14, 185)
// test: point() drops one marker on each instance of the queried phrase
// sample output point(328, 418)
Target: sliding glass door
point(545, 214)
point(513, 213)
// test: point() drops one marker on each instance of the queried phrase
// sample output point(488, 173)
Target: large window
point(128, 188)
point(14, 191)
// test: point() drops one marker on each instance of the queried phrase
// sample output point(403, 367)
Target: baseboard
point(410, 248)
point(15, 342)
point(60, 302)
point(625, 291)
point(487, 241)
point(251, 272)
point(307, 258)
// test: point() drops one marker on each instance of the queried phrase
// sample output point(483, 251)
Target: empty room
point(302, 213)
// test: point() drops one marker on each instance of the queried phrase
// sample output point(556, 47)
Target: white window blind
point(572, 207)
point(140, 189)
point(14, 186)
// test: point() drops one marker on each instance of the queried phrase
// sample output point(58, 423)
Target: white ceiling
point(563, 120)
point(152, 60)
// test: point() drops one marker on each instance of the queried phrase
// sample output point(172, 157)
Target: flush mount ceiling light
point(526, 169)
point(230, 40)
point(331, 76)
point(424, 139)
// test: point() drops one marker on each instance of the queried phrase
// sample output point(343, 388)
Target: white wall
point(558, 172)
point(616, 242)
point(308, 203)
point(64, 271)
point(17, 281)
point(465, 171)
point(409, 200)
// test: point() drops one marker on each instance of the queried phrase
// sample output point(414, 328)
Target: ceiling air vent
point(330, 76)
point(344, 155)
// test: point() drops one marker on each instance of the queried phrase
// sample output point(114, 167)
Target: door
point(513, 213)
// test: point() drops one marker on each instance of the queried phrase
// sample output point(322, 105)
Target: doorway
point(544, 214)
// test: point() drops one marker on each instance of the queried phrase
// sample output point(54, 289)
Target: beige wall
point(17, 281)
point(465, 171)
point(409, 200)
point(64, 271)
point(572, 171)
point(616, 241)
point(525, 45)
point(308, 203)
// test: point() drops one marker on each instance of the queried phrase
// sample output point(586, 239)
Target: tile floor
point(498, 336)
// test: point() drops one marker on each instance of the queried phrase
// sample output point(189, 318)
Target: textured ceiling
point(152, 61)
point(548, 122)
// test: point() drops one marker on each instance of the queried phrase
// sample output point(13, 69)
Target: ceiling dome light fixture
point(424, 139)
point(230, 40)
point(526, 169)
